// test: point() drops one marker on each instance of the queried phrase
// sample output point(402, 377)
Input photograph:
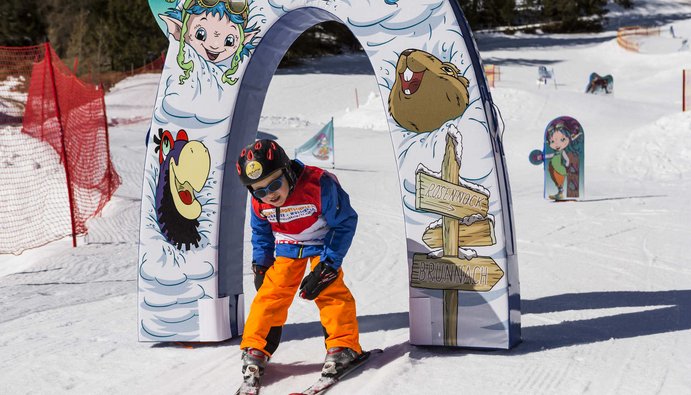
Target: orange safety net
point(627, 36)
point(54, 143)
point(492, 73)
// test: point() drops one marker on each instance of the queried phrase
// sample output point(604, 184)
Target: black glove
point(319, 278)
point(259, 273)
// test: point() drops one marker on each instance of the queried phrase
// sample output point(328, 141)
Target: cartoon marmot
point(427, 92)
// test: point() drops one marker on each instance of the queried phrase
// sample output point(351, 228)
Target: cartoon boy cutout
point(216, 29)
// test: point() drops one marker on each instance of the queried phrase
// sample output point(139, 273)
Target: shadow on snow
point(564, 334)
point(670, 318)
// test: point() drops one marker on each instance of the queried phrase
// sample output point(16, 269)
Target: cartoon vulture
point(184, 169)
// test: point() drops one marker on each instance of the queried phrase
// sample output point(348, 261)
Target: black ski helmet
point(261, 158)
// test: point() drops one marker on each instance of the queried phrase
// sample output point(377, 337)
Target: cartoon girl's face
point(214, 37)
point(558, 141)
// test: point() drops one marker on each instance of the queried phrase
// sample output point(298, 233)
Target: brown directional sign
point(447, 199)
point(477, 234)
point(478, 274)
point(454, 202)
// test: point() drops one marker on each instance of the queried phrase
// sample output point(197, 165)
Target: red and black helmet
point(261, 158)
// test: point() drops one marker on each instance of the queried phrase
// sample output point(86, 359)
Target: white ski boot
point(337, 360)
point(253, 362)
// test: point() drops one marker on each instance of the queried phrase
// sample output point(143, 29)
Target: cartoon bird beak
point(188, 176)
point(194, 164)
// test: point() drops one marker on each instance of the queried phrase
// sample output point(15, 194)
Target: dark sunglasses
point(274, 186)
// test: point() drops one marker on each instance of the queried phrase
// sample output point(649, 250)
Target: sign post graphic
point(464, 223)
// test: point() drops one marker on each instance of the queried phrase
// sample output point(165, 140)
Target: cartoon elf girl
point(216, 29)
point(559, 138)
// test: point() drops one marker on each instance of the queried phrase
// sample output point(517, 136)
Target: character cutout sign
point(563, 158)
point(455, 194)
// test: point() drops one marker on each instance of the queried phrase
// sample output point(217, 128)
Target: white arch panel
point(193, 206)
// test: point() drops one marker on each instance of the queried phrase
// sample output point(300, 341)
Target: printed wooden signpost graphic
point(464, 223)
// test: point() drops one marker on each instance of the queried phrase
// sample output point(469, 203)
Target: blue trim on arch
point(500, 164)
point(489, 105)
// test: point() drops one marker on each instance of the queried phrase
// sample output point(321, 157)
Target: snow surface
point(606, 282)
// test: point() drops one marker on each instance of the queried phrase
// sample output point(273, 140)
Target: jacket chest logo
point(290, 213)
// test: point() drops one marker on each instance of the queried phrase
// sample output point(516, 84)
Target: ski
point(325, 383)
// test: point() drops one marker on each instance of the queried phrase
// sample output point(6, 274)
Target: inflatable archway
point(222, 55)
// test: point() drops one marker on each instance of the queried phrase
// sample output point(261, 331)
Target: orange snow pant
point(269, 309)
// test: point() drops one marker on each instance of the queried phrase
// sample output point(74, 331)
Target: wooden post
point(450, 170)
point(450, 273)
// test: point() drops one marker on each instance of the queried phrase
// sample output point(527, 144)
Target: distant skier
point(299, 214)
point(598, 84)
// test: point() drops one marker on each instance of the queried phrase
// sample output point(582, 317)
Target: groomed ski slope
point(605, 282)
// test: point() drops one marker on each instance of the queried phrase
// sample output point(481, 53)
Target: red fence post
point(62, 142)
point(683, 90)
point(105, 125)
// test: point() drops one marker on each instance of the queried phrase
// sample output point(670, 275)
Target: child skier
point(299, 214)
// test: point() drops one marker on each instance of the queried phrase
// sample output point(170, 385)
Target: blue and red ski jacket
point(316, 219)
